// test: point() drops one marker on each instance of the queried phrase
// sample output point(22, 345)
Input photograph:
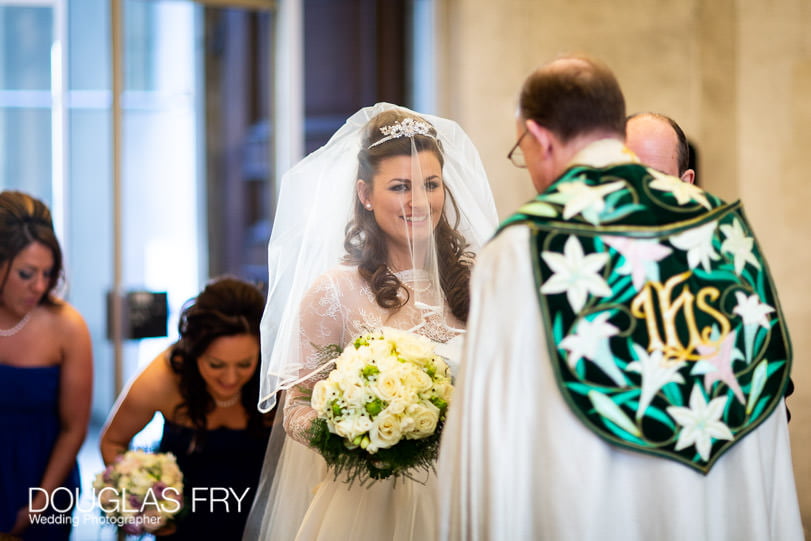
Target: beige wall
point(736, 74)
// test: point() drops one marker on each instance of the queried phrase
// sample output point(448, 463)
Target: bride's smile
point(403, 208)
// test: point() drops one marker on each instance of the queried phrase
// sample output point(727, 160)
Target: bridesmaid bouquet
point(381, 409)
point(140, 492)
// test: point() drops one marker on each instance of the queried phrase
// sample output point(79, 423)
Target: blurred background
point(157, 130)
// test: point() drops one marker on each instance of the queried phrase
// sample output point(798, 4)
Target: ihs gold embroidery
point(646, 302)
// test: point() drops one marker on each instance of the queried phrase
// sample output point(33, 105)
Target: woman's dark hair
point(365, 243)
point(23, 221)
point(226, 307)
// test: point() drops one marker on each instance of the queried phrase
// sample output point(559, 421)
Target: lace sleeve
point(322, 324)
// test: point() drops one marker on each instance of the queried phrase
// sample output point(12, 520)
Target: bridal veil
point(316, 202)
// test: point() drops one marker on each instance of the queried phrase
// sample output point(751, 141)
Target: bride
point(377, 228)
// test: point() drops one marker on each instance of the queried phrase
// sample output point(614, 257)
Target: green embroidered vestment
point(660, 314)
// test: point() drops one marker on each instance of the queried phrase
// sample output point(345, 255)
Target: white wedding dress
point(313, 302)
point(306, 501)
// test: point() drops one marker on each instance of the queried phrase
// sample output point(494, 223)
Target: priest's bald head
point(659, 142)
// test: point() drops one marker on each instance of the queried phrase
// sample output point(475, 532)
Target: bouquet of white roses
point(140, 492)
point(381, 409)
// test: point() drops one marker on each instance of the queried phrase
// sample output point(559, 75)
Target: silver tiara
point(407, 128)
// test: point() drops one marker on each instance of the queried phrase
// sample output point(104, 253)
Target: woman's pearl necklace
point(16, 328)
point(228, 403)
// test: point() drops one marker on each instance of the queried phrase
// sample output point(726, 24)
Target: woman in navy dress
point(45, 377)
point(206, 387)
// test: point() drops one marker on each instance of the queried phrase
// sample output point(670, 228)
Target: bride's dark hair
point(365, 242)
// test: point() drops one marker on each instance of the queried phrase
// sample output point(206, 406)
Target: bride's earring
point(368, 206)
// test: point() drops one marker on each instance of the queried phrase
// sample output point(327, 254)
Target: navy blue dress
point(227, 464)
point(29, 422)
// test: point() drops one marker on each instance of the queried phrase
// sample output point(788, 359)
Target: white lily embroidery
point(751, 310)
point(586, 341)
point(590, 341)
point(684, 192)
point(739, 245)
point(578, 197)
point(698, 244)
point(700, 423)
point(575, 273)
point(656, 373)
point(754, 314)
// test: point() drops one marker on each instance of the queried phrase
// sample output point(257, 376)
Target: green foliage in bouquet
point(358, 465)
point(382, 408)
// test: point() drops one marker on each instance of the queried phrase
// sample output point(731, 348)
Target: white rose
point(387, 363)
point(397, 406)
point(442, 368)
point(341, 363)
point(346, 427)
point(406, 424)
point(361, 357)
point(363, 424)
point(351, 359)
point(318, 400)
point(339, 379)
point(384, 432)
point(443, 390)
point(416, 380)
point(425, 416)
point(388, 386)
point(333, 391)
point(356, 394)
point(378, 350)
point(413, 347)
point(395, 337)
